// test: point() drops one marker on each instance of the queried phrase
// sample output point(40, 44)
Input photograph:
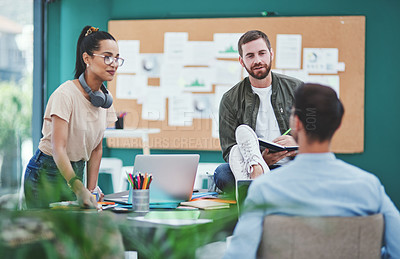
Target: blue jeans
point(44, 183)
point(224, 178)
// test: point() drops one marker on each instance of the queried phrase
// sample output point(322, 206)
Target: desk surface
point(204, 214)
point(156, 240)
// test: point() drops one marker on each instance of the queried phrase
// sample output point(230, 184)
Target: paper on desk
point(206, 204)
point(174, 218)
point(172, 214)
point(173, 222)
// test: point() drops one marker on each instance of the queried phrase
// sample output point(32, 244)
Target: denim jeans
point(44, 183)
point(224, 178)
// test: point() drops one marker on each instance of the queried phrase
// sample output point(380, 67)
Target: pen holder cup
point(140, 200)
point(119, 124)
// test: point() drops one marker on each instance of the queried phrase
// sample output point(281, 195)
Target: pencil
point(129, 178)
point(145, 182)
point(286, 132)
point(139, 182)
point(150, 179)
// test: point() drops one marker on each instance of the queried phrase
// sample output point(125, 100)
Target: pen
point(287, 132)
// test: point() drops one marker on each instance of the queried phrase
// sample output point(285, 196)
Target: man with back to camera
point(315, 183)
point(261, 101)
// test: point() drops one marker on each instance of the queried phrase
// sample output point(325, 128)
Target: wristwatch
point(72, 180)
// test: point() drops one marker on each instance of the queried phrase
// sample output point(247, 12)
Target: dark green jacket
point(240, 106)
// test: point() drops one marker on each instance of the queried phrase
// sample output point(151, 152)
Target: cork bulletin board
point(347, 34)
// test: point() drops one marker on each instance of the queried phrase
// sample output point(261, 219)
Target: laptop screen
point(173, 176)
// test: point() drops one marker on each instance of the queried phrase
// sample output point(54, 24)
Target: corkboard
point(345, 33)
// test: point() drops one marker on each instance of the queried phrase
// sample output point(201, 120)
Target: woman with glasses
point(76, 116)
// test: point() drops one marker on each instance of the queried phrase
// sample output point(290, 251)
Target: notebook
point(273, 147)
point(242, 187)
point(173, 176)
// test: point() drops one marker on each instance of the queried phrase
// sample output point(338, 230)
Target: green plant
point(15, 126)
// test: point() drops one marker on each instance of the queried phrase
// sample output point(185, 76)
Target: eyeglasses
point(108, 60)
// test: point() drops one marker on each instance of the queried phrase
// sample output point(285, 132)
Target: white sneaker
point(237, 164)
point(250, 148)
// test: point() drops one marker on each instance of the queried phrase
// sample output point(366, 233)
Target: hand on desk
point(86, 198)
point(99, 193)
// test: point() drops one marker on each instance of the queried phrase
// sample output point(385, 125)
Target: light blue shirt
point(314, 185)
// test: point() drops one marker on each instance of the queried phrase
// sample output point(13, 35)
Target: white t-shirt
point(86, 123)
point(267, 127)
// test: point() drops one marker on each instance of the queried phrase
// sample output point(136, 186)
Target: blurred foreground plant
point(59, 234)
point(15, 126)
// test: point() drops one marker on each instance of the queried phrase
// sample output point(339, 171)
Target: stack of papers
point(206, 204)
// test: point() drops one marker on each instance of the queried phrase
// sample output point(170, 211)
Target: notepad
point(172, 215)
point(273, 147)
point(206, 204)
point(172, 218)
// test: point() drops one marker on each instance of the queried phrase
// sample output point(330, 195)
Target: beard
point(259, 74)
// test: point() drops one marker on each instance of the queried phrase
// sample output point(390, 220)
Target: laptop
point(242, 187)
point(173, 176)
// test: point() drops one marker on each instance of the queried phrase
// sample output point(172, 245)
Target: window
point(16, 63)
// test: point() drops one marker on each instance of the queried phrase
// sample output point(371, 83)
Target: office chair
point(322, 237)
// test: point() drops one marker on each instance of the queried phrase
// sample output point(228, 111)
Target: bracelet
point(72, 180)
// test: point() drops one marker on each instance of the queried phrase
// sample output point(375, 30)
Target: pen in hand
point(287, 132)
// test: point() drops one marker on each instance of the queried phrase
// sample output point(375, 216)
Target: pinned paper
point(180, 110)
point(320, 60)
point(288, 51)
point(129, 51)
point(130, 86)
point(328, 80)
point(153, 107)
point(226, 44)
point(199, 53)
point(197, 79)
point(174, 46)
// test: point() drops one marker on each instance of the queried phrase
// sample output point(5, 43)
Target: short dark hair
point(250, 36)
point(319, 109)
point(88, 41)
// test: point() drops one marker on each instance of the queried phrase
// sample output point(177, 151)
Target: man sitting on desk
point(315, 183)
point(262, 101)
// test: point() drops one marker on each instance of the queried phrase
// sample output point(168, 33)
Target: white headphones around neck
point(97, 98)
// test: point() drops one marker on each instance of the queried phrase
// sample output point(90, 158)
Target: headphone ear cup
point(108, 101)
point(97, 98)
